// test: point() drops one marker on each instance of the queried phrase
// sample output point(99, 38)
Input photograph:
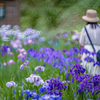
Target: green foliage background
point(52, 16)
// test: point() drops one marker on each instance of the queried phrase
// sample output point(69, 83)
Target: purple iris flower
point(39, 68)
point(65, 34)
point(89, 59)
point(4, 49)
point(4, 64)
point(37, 80)
point(10, 84)
point(10, 62)
point(50, 97)
point(25, 64)
point(58, 34)
point(54, 86)
point(31, 94)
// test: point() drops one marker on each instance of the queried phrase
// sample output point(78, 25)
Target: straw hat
point(91, 16)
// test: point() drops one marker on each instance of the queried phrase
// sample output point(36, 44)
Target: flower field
point(33, 67)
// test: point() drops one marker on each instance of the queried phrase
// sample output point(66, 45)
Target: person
point(93, 29)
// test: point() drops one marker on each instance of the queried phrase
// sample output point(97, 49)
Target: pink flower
point(10, 53)
point(22, 52)
point(30, 42)
point(20, 55)
point(16, 44)
point(4, 64)
point(10, 62)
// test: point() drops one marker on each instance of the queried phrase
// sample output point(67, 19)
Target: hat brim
point(85, 18)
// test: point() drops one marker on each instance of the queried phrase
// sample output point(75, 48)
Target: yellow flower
point(75, 31)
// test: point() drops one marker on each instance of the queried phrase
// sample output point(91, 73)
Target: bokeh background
point(53, 16)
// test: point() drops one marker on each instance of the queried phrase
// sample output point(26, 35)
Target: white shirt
point(93, 33)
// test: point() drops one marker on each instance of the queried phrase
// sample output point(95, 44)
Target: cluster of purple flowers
point(71, 55)
point(34, 96)
point(90, 56)
point(27, 37)
point(89, 59)
point(50, 56)
point(90, 84)
point(76, 71)
point(87, 83)
point(58, 60)
point(54, 86)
